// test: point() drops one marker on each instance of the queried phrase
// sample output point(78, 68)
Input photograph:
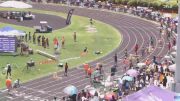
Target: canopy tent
point(15, 4)
point(10, 31)
point(151, 93)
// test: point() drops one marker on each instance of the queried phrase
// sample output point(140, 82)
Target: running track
point(133, 30)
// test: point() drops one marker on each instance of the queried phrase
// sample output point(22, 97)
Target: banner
point(68, 20)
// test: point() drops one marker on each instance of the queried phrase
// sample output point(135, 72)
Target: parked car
point(17, 15)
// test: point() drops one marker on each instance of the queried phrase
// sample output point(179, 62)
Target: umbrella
point(174, 47)
point(173, 54)
point(128, 78)
point(70, 90)
point(172, 67)
point(167, 57)
point(141, 64)
point(96, 73)
point(167, 15)
point(176, 19)
point(91, 89)
point(108, 96)
point(120, 81)
point(132, 72)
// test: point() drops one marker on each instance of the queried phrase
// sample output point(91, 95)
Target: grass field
point(105, 39)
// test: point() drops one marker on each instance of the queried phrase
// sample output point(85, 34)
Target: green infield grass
point(105, 39)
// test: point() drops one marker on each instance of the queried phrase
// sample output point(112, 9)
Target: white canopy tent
point(15, 4)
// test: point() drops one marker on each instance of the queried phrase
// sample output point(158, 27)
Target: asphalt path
point(133, 30)
point(56, 22)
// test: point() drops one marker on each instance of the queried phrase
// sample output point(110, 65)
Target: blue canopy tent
point(10, 31)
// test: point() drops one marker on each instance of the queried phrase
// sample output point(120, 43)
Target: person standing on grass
point(43, 41)
point(39, 40)
point(26, 37)
point(65, 69)
point(91, 21)
point(63, 41)
point(47, 42)
point(74, 36)
point(8, 69)
point(30, 36)
point(34, 38)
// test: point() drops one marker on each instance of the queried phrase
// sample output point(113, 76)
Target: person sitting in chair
point(16, 83)
point(30, 63)
point(85, 51)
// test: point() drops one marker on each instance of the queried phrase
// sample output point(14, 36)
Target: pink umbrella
point(172, 67)
point(132, 72)
point(109, 95)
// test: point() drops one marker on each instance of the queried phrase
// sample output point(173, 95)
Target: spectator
point(113, 98)
point(16, 83)
point(55, 98)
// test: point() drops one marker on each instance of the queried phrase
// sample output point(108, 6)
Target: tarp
point(10, 31)
point(15, 4)
point(151, 93)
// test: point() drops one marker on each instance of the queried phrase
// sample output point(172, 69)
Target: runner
point(115, 59)
point(65, 69)
point(142, 51)
point(136, 49)
point(126, 53)
point(86, 66)
point(169, 46)
point(152, 42)
point(174, 42)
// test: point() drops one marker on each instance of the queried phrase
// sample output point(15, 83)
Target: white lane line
point(69, 59)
